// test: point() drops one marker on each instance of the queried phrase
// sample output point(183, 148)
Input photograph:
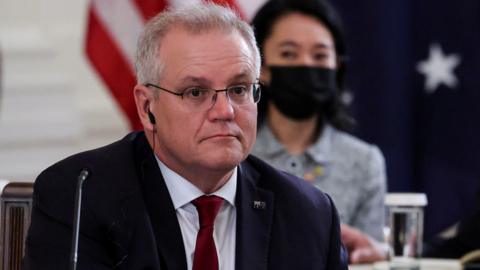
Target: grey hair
point(198, 18)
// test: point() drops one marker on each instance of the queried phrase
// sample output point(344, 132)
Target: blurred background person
point(302, 117)
point(465, 239)
point(413, 72)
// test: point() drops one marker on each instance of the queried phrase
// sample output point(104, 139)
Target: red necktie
point(205, 257)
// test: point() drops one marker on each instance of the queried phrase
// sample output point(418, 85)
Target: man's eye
point(238, 90)
point(194, 92)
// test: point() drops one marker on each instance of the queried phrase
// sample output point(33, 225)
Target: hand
point(361, 247)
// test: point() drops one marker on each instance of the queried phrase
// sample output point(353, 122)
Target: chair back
point(15, 210)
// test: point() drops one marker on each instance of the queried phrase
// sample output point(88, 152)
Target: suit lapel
point(162, 214)
point(254, 219)
point(254, 215)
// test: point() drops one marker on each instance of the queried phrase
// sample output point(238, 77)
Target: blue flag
point(414, 70)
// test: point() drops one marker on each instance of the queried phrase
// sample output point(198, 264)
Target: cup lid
point(406, 199)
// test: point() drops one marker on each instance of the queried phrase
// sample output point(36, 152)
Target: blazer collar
point(254, 205)
point(321, 150)
point(254, 221)
point(160, 208)
point(268, 146)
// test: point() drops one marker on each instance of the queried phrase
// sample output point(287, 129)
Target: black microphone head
point(84, 174)
point(151, 117)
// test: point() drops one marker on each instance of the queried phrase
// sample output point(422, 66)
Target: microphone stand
point(76, 218)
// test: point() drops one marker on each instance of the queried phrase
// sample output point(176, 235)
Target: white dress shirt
point(182, 193)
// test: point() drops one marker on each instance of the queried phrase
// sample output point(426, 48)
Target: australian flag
point(414, 70)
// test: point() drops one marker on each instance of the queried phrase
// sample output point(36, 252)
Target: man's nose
point(222, 107)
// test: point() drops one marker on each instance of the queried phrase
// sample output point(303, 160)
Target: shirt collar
point(320, 151)
point(268, 145)
point(183, 191)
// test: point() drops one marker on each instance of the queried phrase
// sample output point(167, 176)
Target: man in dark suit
point(466, 239)
point(184, 194)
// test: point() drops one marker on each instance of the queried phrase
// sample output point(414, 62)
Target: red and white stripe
point(113, 29)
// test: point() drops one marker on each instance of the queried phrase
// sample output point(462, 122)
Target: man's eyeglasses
point(202, 99)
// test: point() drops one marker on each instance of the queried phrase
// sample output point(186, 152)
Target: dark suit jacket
point(466, 240)
point(128, 220)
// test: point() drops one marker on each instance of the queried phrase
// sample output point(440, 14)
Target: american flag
point(112, 32)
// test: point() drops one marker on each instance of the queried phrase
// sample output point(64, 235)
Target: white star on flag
point(438, 69)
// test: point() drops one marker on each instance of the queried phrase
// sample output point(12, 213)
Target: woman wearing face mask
point(302, 118)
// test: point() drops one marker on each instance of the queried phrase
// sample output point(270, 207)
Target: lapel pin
point(259, 205)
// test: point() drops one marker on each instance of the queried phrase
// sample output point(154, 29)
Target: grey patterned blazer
point(351, 171)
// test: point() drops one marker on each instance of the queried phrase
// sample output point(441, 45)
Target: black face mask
point(299, 92)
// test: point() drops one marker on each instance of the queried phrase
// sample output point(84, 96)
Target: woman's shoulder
point(343, 142)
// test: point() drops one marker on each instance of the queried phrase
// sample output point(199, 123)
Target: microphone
point(84, 174)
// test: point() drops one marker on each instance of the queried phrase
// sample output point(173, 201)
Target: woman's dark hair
point(336, 111)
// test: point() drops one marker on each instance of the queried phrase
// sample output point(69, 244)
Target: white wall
point(51, 104)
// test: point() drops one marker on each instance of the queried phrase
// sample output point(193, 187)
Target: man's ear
point(143, 98)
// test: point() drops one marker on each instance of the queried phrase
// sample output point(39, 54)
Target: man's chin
point(225, 160)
